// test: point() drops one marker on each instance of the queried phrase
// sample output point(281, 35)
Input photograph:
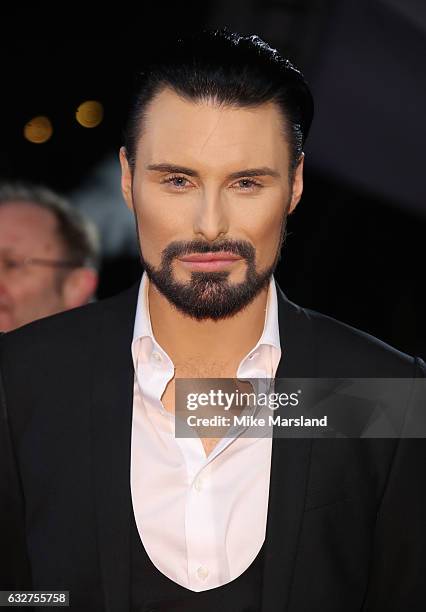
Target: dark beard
point(209, 295)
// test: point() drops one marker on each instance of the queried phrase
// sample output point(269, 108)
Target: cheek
point(161, 220)
point(270, 230)
point(263, 228)
point(32, 287)
point(268, 244)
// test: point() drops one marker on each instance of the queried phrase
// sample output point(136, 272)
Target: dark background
point(355, 248)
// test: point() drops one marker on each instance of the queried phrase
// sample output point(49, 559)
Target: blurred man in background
point(48, 255)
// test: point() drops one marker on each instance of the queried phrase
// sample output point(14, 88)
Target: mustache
point(236, 247)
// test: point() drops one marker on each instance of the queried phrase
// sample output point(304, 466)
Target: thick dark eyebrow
point(172, 169)
point(263, 171)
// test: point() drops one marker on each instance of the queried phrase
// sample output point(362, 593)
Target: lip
point(221, 255)
point(209, 261)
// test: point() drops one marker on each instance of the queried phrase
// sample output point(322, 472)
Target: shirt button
point(198, 484)
point(202, 573)
point(157, 357)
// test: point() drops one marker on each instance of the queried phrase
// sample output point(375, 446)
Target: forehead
point(204, 132)
point(24, 225)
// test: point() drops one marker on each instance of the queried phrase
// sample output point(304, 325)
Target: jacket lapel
point(112, 407)
point(289, 466)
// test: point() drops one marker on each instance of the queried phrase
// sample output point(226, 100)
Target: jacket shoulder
point(356, 351)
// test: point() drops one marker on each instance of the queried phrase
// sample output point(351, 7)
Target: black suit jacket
point(346, 517)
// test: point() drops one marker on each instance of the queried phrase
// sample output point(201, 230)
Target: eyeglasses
point(13, 264)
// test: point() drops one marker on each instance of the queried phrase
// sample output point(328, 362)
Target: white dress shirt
point(202, 520)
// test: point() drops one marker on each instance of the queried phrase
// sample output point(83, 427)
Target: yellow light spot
point(90, 113)
point(38, 130)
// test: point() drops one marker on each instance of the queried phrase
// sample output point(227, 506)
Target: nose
point(4, 276)
point(3, 291)
point(211, 219)
point(2, 270)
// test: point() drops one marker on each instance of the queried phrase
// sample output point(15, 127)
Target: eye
point(177, 181)
point(248, 184)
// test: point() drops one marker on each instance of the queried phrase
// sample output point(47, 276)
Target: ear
point(126, 179)
point(297, 184)
point(79, 287)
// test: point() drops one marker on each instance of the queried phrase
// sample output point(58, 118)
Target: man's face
point(30, 292)
point(210, 180)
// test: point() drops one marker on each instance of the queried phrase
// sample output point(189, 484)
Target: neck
point(187, 339)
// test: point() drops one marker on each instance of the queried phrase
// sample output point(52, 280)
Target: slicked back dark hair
point(230, 69)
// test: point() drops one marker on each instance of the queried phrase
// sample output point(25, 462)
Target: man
point(100, 498)
point(48, 255)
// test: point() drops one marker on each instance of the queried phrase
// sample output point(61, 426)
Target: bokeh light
point(38, 130)
point(90, 113)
